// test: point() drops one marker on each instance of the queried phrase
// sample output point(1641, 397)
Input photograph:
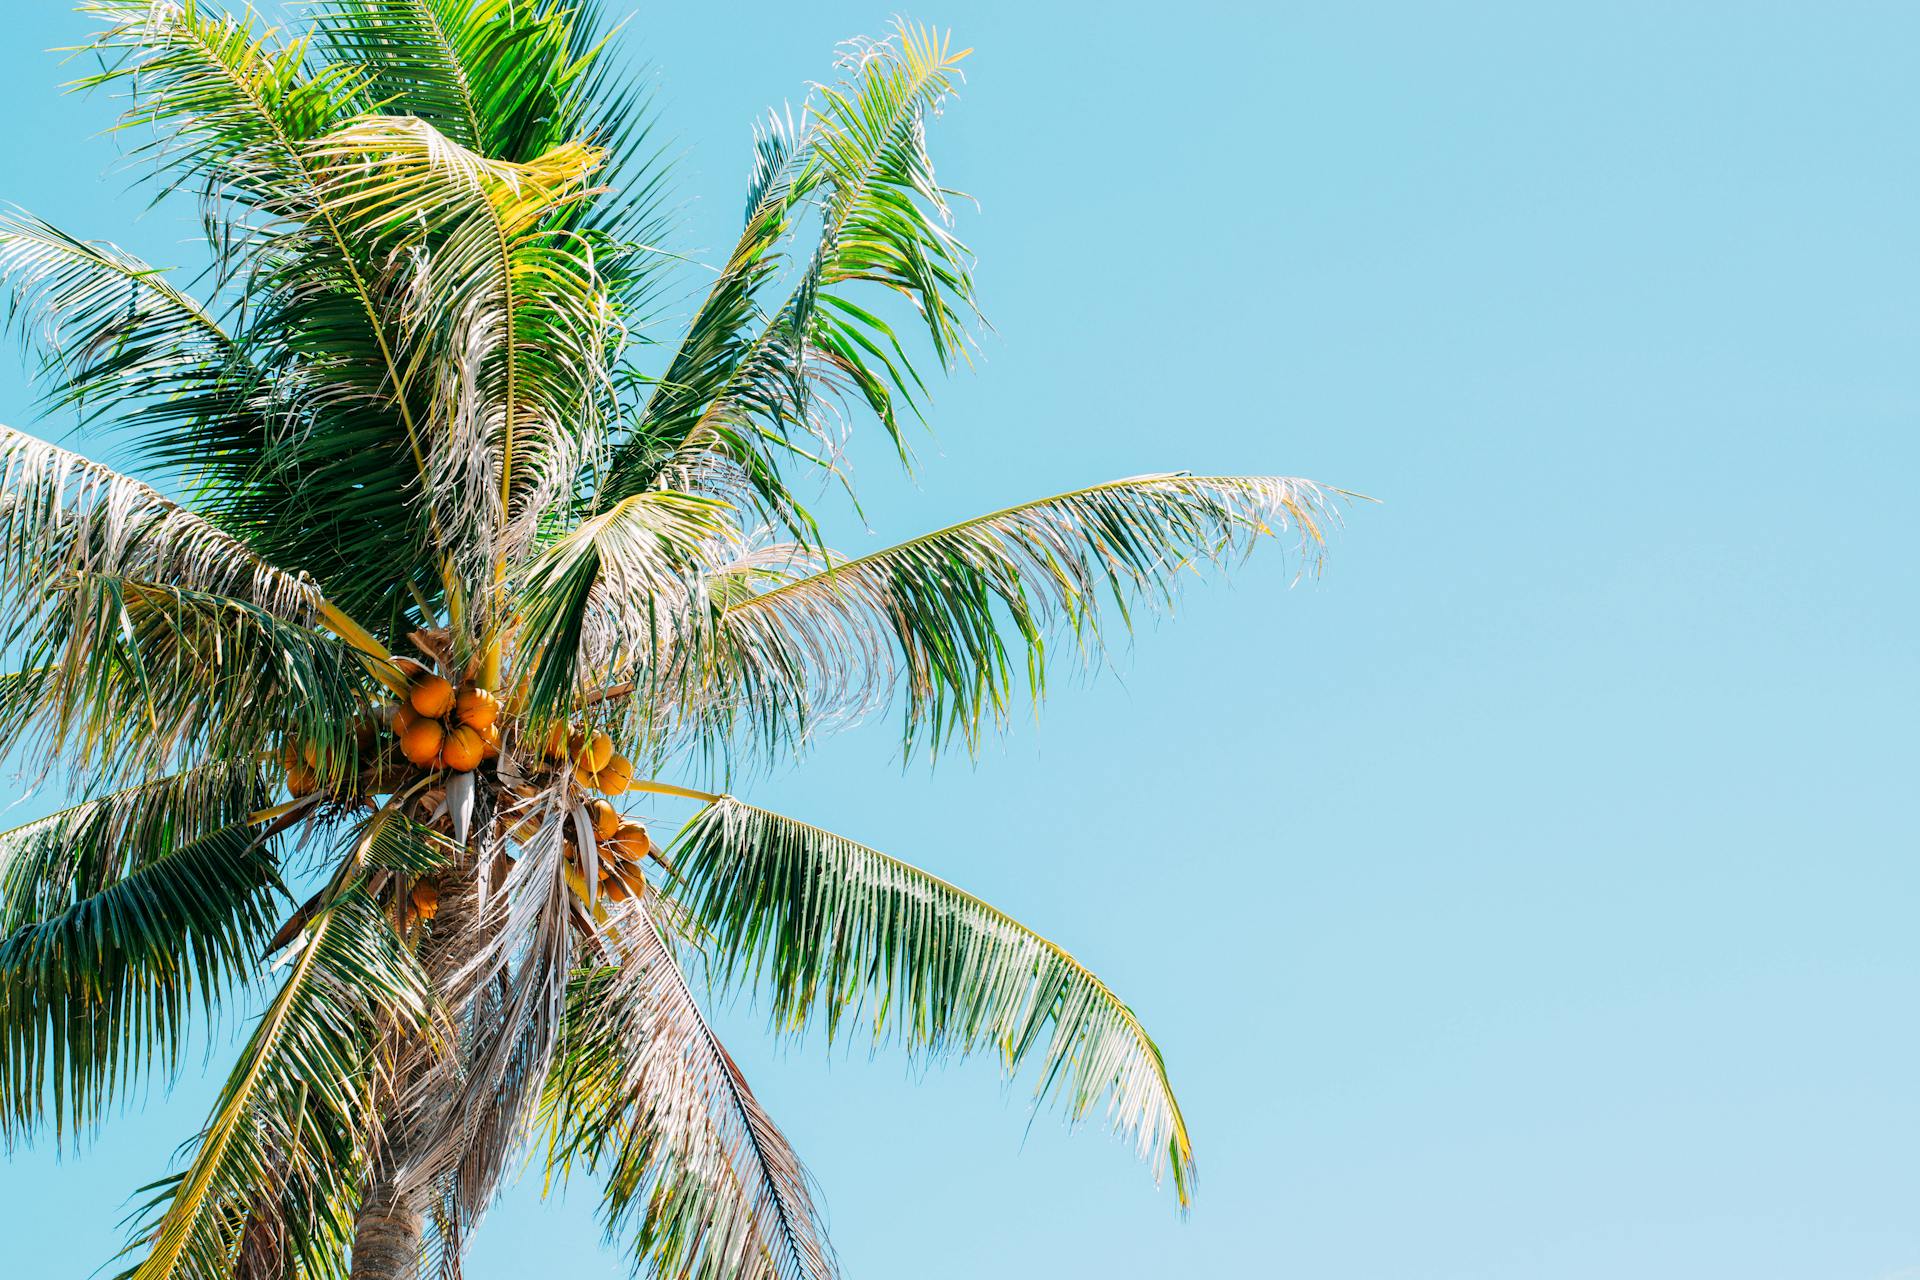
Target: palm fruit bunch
point(306, 766)
point(623, 848)
point(301, 761)
point(596, 765)
point(441, 725)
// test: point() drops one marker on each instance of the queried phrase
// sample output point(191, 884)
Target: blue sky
point(1530, 895)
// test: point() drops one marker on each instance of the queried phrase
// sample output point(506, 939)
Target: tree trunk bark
point(386, 1237)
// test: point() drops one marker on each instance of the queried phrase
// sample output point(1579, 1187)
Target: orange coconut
point(421, 742)
point(476, 708)
point(596, 752)
point(615, 776)
point(606, 819)
point(426, 900)
point(431, 696)
point(464, 749)
point(630, 842)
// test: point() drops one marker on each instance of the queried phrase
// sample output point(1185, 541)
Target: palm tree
point(461, 548)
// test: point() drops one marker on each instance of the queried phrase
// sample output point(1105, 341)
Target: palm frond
point(601, 602)
point(512, 81)
point(111, 330)
point(134, 676)
point(227, 98)
point(644, 1092)
point(833, 927)
point(420, 57)
point(887, 219)
point(233, 108)
point(504, 321)
point(716, 343)
point(50, 863)
point(118, 917)
point(289, 1133)
point(961, 617)
point(62, 515)
point(753, 375)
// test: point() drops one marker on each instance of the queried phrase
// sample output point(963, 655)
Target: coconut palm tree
point(459, 562)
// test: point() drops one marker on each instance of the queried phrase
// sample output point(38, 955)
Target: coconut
point(616, 776)
point(596, 752)
point(631, 842)
point(464, 749)
point(302, 780)
point(606, 819)
point(426, 900)
point(556, 744)
point(403, 718)
point(421, 742)
point(431, 696)
point(476, 708)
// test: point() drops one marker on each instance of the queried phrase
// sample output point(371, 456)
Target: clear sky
point(1533, 895)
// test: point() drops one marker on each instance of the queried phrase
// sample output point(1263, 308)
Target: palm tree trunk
point(386, 1236)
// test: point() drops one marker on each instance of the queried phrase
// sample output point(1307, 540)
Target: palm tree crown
point(465, 556)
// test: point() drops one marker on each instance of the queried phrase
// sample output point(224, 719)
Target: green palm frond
point(512, 81)
point(887, 221)
point(226, 98)
point(136, 676)
point(599, 602)
point(112, 331)
point(506, 321)
point(748, 381)
point(51, 863)
point(833, 927)
point(499, 77)
point(234, 107)
point(716, 343)
point(288, 1136)
point(421, 57)
point(119, 917)
point(62, 515)
point(962, 617)
point(643, 1092)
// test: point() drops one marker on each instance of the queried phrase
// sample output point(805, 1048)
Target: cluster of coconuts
point(307, 766)
point(596, 765)
point(623, 848)
point(441, 725)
